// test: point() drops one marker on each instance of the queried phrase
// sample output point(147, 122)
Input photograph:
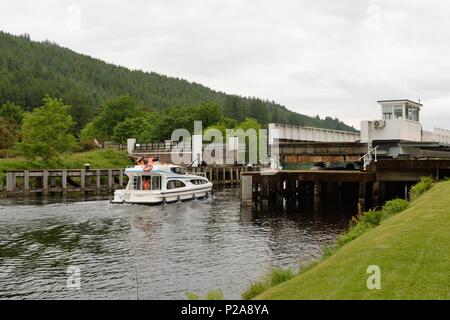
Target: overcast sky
point(333, 58)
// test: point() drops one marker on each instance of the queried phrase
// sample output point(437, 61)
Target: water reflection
point(194, 246)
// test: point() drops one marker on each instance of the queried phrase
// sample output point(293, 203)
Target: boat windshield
point(178, 170)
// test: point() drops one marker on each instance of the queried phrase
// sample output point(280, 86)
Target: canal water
point(162, 252)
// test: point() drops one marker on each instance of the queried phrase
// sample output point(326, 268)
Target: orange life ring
point(148, 168)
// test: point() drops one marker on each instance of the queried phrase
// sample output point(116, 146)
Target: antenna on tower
point(419, 91)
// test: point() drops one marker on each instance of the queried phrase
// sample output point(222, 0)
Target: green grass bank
point(105, 159)
point(411, 248)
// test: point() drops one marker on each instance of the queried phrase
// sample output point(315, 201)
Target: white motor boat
point(161, 183)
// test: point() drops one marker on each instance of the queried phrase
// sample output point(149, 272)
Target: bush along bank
point(359, 225)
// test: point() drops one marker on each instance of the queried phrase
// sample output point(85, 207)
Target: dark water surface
point(194, 246)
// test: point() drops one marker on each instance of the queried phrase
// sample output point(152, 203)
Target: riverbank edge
point(343, 275)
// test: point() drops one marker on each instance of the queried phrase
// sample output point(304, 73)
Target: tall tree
point(143, 128)
point(8, 135)
point(231, 109)
point(208, 113)
point(248, 124)
point(175, 118)
point(46, 132)
point(113, 112)
point(258, 110)
point(83, 107)
point(10, 110)
point(88, 136)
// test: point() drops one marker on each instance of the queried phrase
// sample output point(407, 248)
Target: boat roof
point(157, 168)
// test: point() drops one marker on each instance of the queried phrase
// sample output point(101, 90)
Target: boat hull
point(159, 197)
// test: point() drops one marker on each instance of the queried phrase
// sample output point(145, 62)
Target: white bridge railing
point(367, 158)
point(442, 135)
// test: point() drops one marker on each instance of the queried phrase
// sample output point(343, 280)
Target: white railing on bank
point(367, 158)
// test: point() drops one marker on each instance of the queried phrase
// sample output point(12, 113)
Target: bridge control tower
point(399, 121)
point(399, 133)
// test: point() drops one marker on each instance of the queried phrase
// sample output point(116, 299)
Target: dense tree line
point(30, 70)
point(47, 131)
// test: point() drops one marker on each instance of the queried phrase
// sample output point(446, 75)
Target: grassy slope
point(103, 159)
point(411, 248)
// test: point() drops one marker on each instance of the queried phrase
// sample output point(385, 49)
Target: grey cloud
point(321, 57)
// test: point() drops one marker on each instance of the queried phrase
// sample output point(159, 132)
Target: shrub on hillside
point(425, 184)
point(393, 207)
point(211, 295)
point(214, 295)
point(355, 231)
point(255, 289)
point(271, 279)
point(370, 219)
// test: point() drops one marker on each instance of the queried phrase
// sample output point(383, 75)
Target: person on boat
point(146, 183)
point(140, 161)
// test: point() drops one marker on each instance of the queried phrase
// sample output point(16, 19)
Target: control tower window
point(415, 114)
point(412, 113)
point(387, 112)
point(398, 111)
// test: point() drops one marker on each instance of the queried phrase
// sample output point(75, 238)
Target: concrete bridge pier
point(247, 191)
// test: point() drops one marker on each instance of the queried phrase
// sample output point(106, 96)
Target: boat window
point(137, 183)
point(147, 183)
point(156, 183)
point(178, 170)
point(198, 181)
point(173, 184)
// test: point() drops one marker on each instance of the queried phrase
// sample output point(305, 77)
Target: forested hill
point(29, 70)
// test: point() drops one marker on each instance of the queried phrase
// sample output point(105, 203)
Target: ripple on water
point(195, 246)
